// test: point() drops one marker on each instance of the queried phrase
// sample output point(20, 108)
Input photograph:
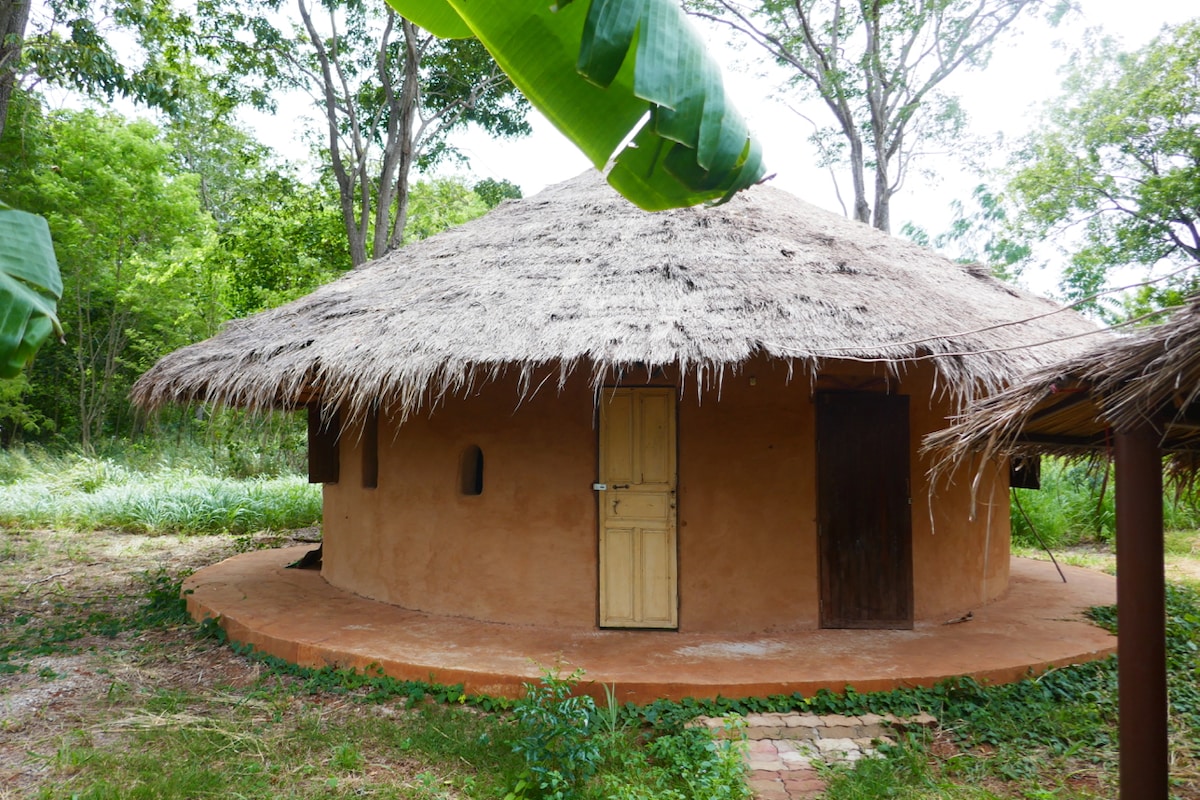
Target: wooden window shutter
point(1025, 472)
point(324, 430)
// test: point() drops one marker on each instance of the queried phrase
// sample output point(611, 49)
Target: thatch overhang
point(1073, 408)
point(576, 278)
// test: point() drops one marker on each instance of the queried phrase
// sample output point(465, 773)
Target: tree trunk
point(883, 196)
point(356, 224)
point(14, 15)
point(862, 210)
point(410, 101)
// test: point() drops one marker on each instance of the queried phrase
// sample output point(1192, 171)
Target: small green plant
point(609, 717)
point(556, 739)
point(346, 758)
point(711, 768)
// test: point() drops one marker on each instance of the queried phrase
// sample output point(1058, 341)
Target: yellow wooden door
point(637, 509)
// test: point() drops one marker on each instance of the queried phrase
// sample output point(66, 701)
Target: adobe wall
point(525, 550)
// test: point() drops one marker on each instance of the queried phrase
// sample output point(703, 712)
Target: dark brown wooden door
point(864, 516)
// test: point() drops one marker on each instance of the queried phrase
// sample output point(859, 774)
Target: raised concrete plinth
point(297, 616)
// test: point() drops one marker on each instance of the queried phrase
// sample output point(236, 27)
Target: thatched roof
point(576, 277)
point(1071, 408)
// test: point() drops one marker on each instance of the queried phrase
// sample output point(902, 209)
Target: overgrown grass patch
point(89, 493)
point(1076, 505)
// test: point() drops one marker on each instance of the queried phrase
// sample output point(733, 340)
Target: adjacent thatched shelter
point(704, 419)
point(1071, 407)
point(1134, 399)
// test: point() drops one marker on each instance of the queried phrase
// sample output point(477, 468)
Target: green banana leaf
point(623, 79)
point(30, 287)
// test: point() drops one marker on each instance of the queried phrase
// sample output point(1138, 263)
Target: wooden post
point(1141, 616)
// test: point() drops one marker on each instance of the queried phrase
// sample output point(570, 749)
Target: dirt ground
point(57, 576)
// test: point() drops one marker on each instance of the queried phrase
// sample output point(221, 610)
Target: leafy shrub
point(1075, 504)
point(556, 740)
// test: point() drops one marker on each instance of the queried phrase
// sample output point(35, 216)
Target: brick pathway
point(781, 749)
point(782, 769)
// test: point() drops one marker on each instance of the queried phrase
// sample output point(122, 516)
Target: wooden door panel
point(617, 449)
point(626, 505)
point(617, 584)
point(658, 556)
point(863, 510)
point(638, 559)
point(657, 450)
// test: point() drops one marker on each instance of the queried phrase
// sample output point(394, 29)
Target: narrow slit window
point(471, 471)
point(324, 430)
point(370, 451)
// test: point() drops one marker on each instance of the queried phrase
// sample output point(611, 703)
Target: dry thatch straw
point(1071, 408)
point(577, 278)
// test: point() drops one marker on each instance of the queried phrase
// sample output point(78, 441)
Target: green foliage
point(19, 418)
point(368, 72)
point(556, 738)
point(1076, 504)
point(980, 232)
point(1117, 158)
point(494, 192)
point(283, 239)
point(123, 222)
point(30, 287)
point(72, 45)
point(905, 771)
point(597, 70)
point(694, 765)
point(438, 204)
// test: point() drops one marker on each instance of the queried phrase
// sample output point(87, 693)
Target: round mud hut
point(573, 414)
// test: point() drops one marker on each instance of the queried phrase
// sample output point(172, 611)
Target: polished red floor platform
point(296, 615)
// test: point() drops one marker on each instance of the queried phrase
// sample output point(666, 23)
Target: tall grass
point(38, 489)
point(1076, 505)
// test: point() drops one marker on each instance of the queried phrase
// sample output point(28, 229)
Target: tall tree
point(1114, 170)
point(14, 17)
point(388, 93)
point(283, 238)
point(123, 223)
point(878, 66)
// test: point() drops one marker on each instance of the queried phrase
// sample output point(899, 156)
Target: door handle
point(619, 486)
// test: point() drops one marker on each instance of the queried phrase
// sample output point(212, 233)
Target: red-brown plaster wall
point(959, 564)
point(747, 493)
point(525, 551)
